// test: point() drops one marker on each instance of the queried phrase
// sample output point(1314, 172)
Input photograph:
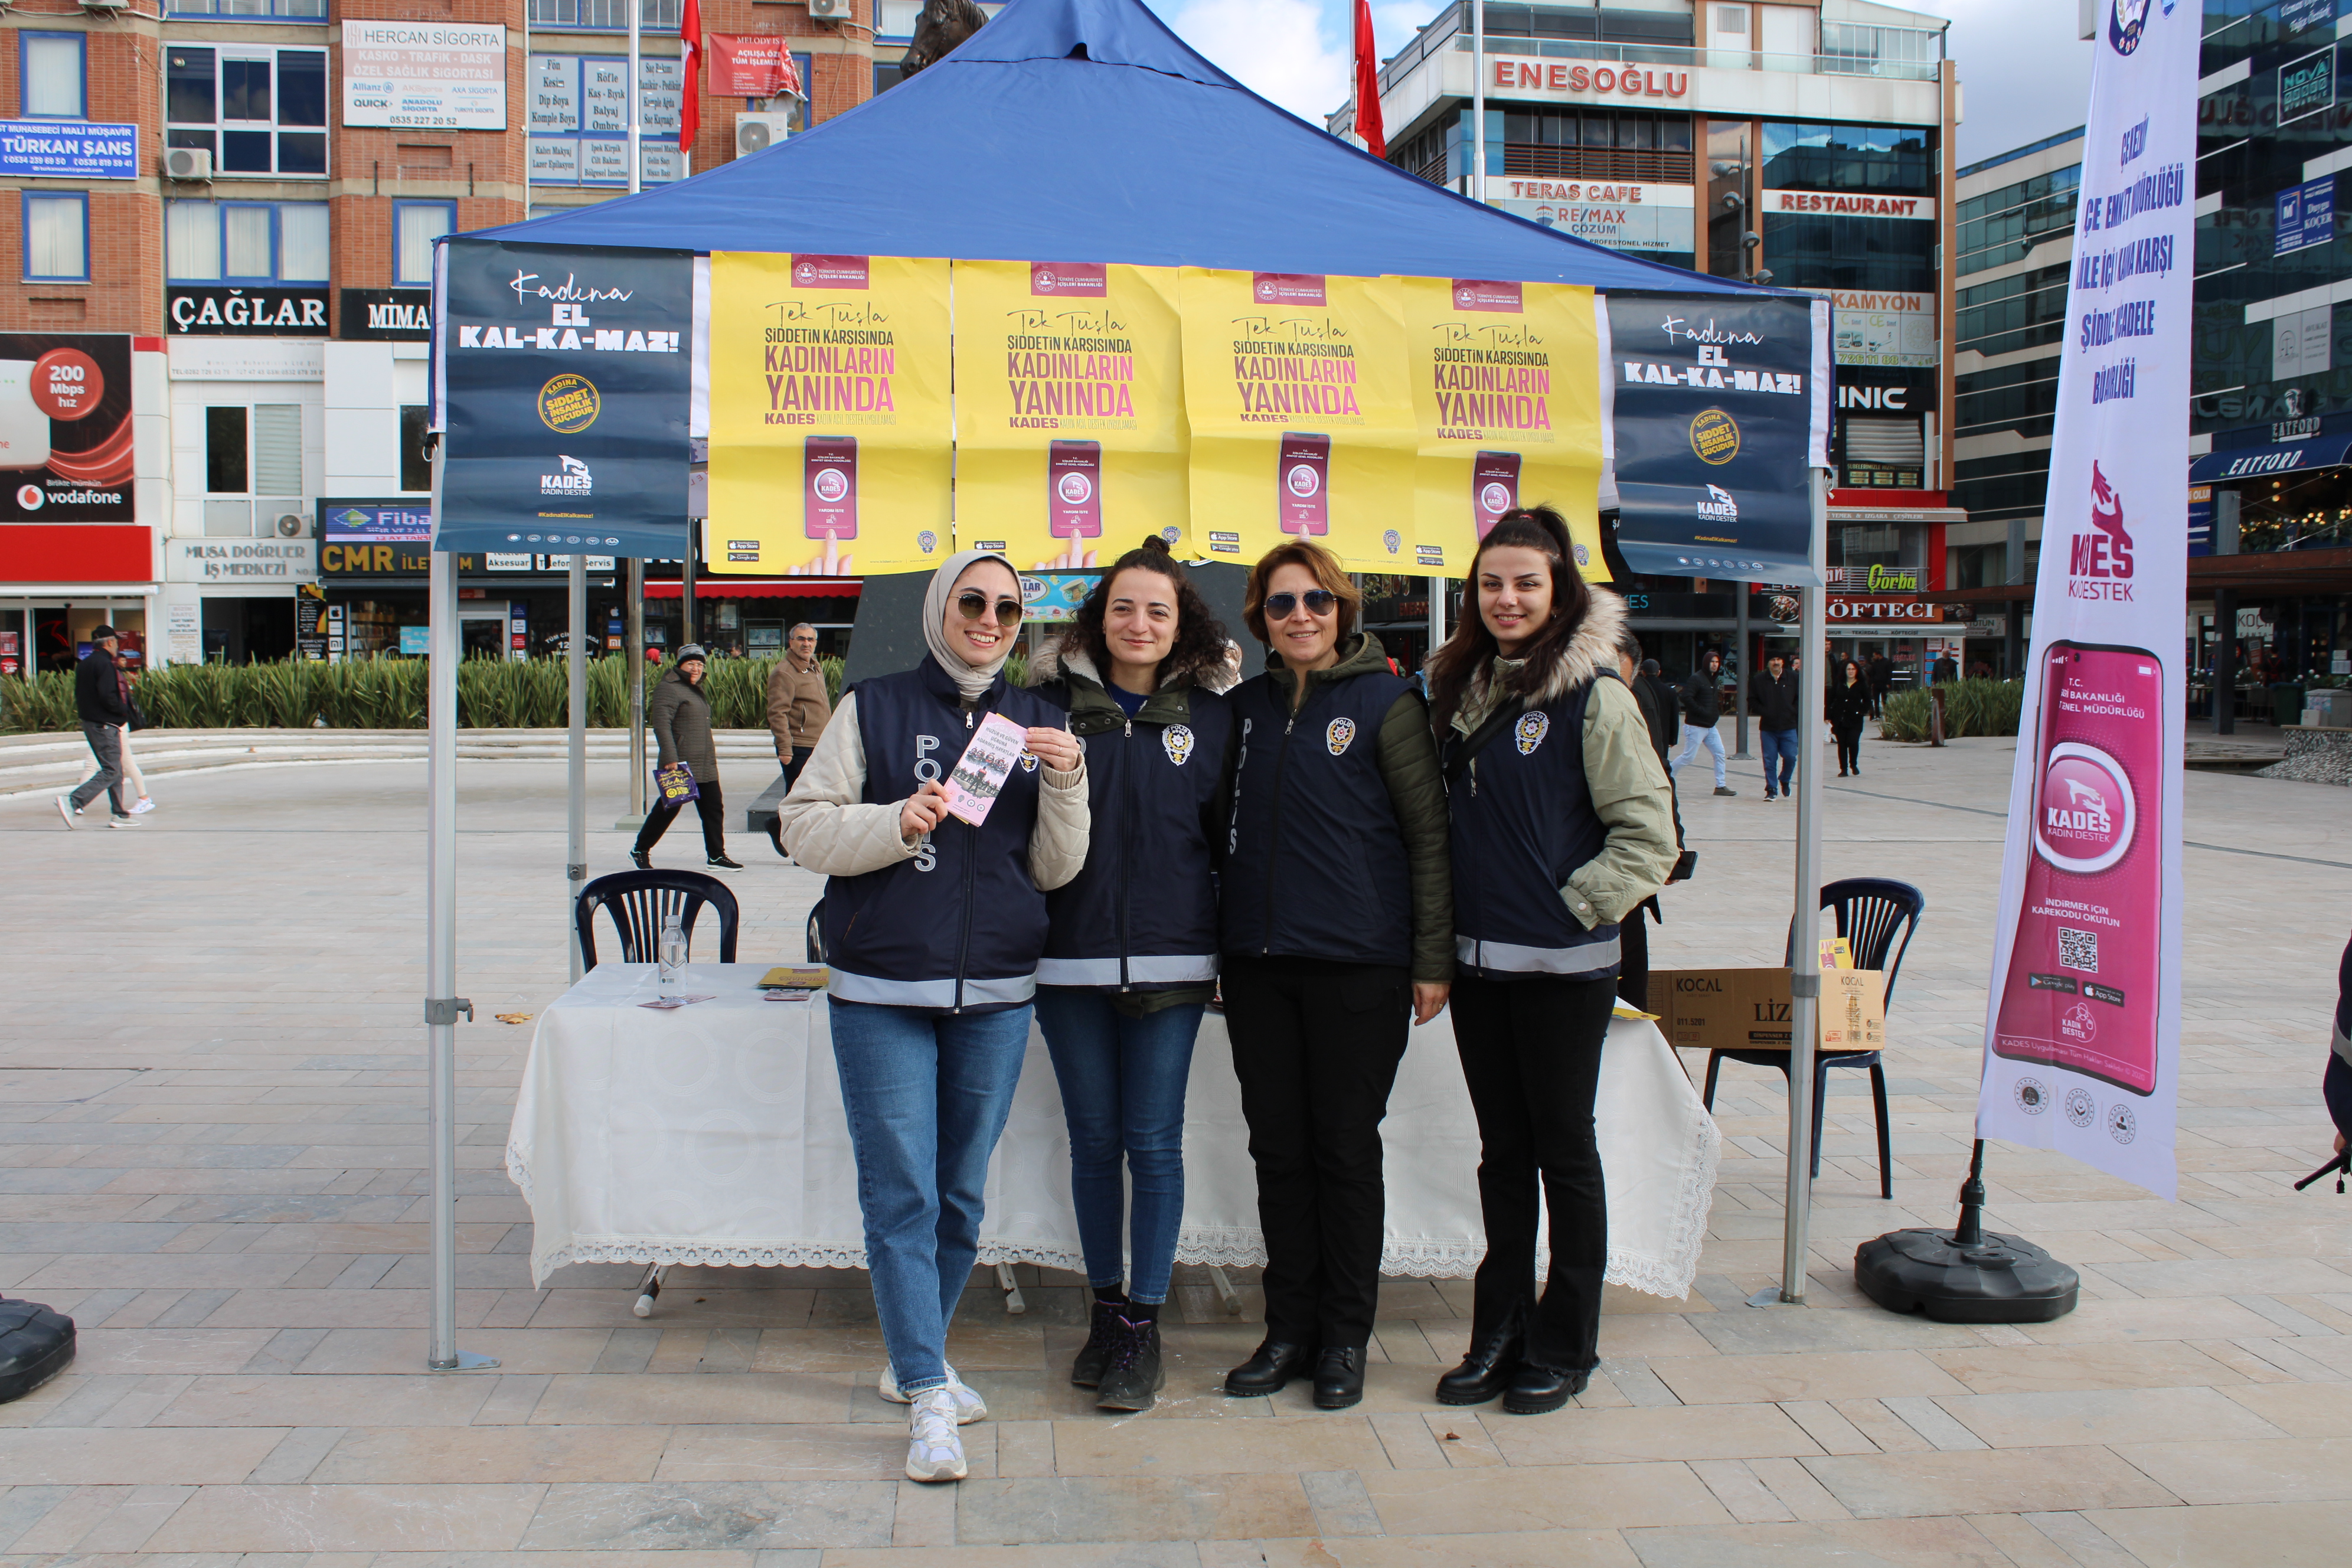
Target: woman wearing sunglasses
point(1562, 825)
point(1132, 957)
point(932, 928)
point(1336, 915)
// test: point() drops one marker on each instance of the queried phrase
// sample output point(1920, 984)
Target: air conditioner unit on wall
point(756, 130)
point(187, 163)
point(292, 525)
point(830, 10)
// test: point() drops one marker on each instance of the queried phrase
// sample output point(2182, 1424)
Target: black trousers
point(1849, 744)
point(660, 813)
point(793, 763)
point(1315, 1046)
point(1531, 1055)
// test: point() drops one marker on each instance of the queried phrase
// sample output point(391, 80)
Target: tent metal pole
point(1436, 613)
point(1804, 968)
point(1739, 727)
point(637, 93)
point(1478, 101)
point(637, 682)
point(575, 859)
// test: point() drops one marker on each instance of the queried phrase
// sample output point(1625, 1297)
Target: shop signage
point(1851, 608)
point(2307, 85)
point(247, 359)
point(385, 315)
point(2301, 16)
point(1882, 327)
point(1626, 224)
point(2284, 430)
point(2304, 215)
point(309, 628)
point(751, 65)
point(1850, 204)
point(1626, 81)
point(65, 429)
point(68, 150)
point(424, 76)
point(284, 560)
point(257, 312)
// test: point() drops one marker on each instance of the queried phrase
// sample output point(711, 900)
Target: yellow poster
point(1069, 411)
point(829, 418)
point(1302, 424)
point(1506, 394)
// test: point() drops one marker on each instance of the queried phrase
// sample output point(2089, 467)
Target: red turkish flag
point(1368, 83)
point(689, 104)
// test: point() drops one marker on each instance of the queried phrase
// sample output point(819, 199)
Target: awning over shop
point(761, 588)
point(2234, 463)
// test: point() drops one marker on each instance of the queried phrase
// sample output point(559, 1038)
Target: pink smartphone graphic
point(829, 483)
point(2080, 991)
point(1303, 480)
point(1494, 488)
point(1073, 488)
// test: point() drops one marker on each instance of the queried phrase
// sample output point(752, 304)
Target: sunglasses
point(971, 604)
point(1319, 602)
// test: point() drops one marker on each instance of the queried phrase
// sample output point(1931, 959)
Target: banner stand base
point(1968, 1276)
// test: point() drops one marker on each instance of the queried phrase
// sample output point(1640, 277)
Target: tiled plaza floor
point(211, 1142)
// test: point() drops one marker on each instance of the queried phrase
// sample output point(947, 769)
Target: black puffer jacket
point(1702, 697)
point(1848, 706)
point(98, 690)
point(678, 716)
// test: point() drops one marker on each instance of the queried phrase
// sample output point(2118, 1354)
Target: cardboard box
point(1747, 1009)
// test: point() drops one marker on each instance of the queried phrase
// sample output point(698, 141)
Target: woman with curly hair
point(1132, 953)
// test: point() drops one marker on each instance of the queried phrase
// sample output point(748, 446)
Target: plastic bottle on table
point(673, 952)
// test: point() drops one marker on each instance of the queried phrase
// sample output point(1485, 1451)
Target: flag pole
point(1478, 101)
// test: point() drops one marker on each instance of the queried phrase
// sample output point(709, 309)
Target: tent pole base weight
point(1997, 1279)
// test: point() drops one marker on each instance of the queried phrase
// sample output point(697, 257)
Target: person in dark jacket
point(2337, 1084)
point(1660, 705)
point(1561, 828)
point(1881, 675)
point(1847, 706)
point(932, 928)
point(1131, 957)
point(678, 718)
point(1336, 925)
point(1701, 697)
point(1772, 692)
point(98, 699)
point(1656, 701)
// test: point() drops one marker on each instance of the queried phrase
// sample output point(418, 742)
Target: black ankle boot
point(1539, 1389)
point(1487, 1370)
point(1267, 1371)
point(1134, 1373)
point(1088, 1370)
point(1339, 1377)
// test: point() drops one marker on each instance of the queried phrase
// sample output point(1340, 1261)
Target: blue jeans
point(927, 1096)
point(1694, 737)
point(1780, 743)
point(1123, 1092)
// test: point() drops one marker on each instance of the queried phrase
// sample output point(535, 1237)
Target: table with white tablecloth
point(714, 1134)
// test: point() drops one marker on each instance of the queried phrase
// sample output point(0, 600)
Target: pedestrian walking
point(1561, 828)
point(138, 781)
point(1848, 705)
point(1701, 698)
point(679, 717)
point(1337, 923)
point(1661, 705)
point(798, 706)
point(1773, 694)
point(1131, 957)
point(1881, 672)
point(932, 928)
point(104, 713)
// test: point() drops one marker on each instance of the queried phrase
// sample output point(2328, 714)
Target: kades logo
point(2099, 564)
point(1718, 508)
point(574, 481)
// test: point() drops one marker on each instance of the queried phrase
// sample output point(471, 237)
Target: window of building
point(2019, 397)
point(56, 237)
point(580, 119)
point(2022, 310)
point(244, 242)
point(416, 468)
point(227, 465)
point(1857, 48)
point(53, 67)
point(247, 10)
point(1597, 144)
point(1813, 250)
point(259, 112)
point(415, 227)
point(2004, 226)
point(1809, 156)
point(888, 74)
point(605, 16)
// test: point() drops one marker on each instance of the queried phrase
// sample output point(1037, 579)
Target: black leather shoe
point(1088, 1370)
point(1489, 1368)
point(1134, 1373)
point(640, 859)
point(1339, 1377)
point(1275, 1362)
point(1537, 1390)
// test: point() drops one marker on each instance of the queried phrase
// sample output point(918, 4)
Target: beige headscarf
point(970, 680)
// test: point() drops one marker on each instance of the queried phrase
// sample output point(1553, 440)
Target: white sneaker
point(66, 809)
point(125, 820)
point(969, 1406)
point(934, 1452)
point(144, 807)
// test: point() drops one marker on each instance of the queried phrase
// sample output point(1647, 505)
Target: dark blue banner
point(1721, 404)
point(567, 372)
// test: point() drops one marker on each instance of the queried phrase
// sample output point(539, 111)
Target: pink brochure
point(978, 777)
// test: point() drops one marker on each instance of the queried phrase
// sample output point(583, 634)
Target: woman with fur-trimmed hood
point(1563, 824)
point(1130, 956)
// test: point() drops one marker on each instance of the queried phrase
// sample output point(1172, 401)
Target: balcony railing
point(1846, 63)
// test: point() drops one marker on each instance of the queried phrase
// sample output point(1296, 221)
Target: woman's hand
point(1058, 749)
point(1429, 999)
point(924, 810)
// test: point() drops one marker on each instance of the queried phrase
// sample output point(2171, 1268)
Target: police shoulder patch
point(1532, 729)
point(1177, 742)
point(1337, 737)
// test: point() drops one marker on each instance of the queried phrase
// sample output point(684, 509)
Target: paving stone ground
point(211, 1142)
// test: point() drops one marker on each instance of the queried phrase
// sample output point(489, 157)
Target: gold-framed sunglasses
point(973, 604)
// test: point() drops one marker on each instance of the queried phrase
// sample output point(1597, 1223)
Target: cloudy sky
point(2026, 74)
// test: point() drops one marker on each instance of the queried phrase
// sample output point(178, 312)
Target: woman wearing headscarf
point(932, 928)
point(1563, 826)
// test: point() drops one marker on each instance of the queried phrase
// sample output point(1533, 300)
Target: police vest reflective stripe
point(1586, 961)
point(1182, 969)
point(946, 996)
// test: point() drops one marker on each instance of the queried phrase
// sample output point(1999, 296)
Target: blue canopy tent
point(1064, 131)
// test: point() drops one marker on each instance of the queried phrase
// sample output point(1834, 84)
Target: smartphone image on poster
point(1073, 488)
point(1303, 478)
point(2080, 991)
point(829, 484)
point(1494, 488)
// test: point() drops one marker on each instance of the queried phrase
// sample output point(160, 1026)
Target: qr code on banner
point(2078, 950)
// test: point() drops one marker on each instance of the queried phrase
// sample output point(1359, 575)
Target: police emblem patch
point(1532, 729)
point(1028, 761)
point(1177, 742)
point(1340, 734)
